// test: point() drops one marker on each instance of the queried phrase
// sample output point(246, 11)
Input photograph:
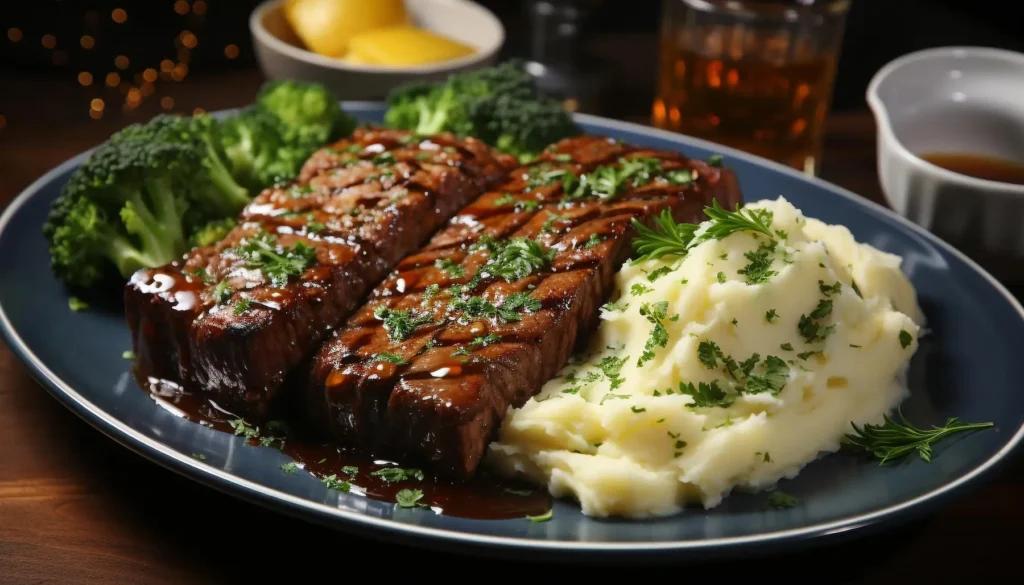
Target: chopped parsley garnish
point(781, 500)
point(289, 467)
point(299, 191)
point(605, 182)
point(549, 223)
point(767, 457)
point(507, 312)
point(396, 474)
point(658, 273)
point(315, 226)
point(830, 289)
point(611, 367)
point(383, 158)
point(242, 306)
point(593, 241)
point(715, 160)
point(610, 307)
point(461, 351)
point(905, 339)
point(654, 313)
point(773, 380)
point(199, 457)
point(542, 518)
point(545, 174)
point(333, 483)
point(244, 429)
point(809, 326)
point(277, 263)
point(450, 267)
point(639, 289)
point(400, 324)
point(76, 304)
point(670, 237)
point(758, 269)
point(637, 410)
point(856, 289)
point(128, 354)
point(485, 340)
point(222, 292)
point(430, 291)
point(705, 395)
point(720, 277)
point(611, 396)
point(707, 351)
point(771, 316)
point(786, 347)
point(408, 498)
point(894, 440)
point(391, 358)
point(349, 470)
point(203, 275)
point(807, 354)
point(508, 199)
point(517, 258)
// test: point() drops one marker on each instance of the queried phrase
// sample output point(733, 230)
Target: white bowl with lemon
point(361, 50)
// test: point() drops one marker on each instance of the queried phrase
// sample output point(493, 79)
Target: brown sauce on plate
point(485, 497)
point(979, 166)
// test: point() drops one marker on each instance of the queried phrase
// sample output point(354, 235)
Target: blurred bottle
point(756, 75)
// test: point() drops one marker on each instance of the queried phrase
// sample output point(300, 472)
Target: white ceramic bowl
point(953, 99)
point(281, 54)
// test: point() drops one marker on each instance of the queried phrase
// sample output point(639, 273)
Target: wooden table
point(77, 508)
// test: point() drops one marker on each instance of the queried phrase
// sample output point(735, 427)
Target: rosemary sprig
point(670, 237)
point(896, 439)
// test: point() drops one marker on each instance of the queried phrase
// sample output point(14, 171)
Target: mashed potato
point(733, 367)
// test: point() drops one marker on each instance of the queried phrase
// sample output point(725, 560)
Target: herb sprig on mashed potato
point(737, 351)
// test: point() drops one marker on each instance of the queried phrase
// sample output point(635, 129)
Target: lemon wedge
point(326, 27)
point(403, 45)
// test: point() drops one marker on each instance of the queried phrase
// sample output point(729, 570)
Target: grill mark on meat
point(441, 409)
point(361, 204)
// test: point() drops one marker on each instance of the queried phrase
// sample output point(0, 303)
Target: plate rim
point(352, 521)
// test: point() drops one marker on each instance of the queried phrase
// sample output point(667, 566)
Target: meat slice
point(496, 302)
point(231, 320)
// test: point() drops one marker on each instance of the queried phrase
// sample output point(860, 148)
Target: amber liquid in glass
point(771, 108)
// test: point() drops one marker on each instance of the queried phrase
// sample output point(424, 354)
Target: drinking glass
point(754, 75)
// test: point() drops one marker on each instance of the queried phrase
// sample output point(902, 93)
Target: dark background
point(877, 31)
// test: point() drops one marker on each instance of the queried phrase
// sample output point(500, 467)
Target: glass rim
point(790, 10)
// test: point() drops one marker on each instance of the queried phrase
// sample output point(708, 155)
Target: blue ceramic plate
point(969, 367)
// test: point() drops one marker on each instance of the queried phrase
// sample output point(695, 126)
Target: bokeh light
point(199, 8)
point(14, 34)
point(231, 51)
point(87, 42)
point(149, 75)
point(181, 7)
point(121, 62)
point(188, 39)
point(113, 79)
point(49, 41)
point(97, 104)
point(119, 16)
point(85, 78)
point(167, 102)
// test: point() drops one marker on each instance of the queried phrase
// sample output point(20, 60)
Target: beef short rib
point(233, 319)
point(494, 305)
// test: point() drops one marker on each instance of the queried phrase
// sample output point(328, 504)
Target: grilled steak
point(234, 318)
point(496, 302)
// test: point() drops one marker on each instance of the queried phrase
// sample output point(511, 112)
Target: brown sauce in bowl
point(979, 166)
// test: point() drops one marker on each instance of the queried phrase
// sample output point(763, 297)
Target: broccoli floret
point(257, 151)
point(212, 232)
point(122, 210)
point(221, 196)
point(311, 116)
point(500, 105)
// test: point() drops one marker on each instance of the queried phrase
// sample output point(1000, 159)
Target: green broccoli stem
point(125, 256)
point(162, 236)
point(234, 196)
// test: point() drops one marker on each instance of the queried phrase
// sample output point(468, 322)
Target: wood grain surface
point(75, 507)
